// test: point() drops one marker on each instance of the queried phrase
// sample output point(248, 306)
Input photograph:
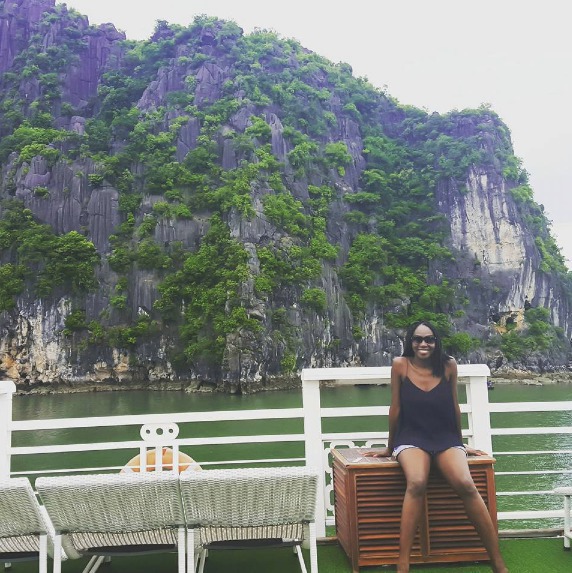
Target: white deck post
point(314, 448)
point(7, 389)
point(478, 401)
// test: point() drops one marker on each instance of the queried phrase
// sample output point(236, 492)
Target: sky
point(437, 55)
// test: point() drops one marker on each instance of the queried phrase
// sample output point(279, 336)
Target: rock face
point(496, 260)
point(487, 228)
point(485, 224)
point(18, 19)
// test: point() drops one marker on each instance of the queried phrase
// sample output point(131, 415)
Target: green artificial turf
point(521, 556)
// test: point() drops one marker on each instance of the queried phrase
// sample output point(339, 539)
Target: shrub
point(74, 321)
point(315, 299)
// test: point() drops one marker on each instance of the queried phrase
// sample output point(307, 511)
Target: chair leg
point(298, 551)
point(203, 558)
point(567, 522)
point(58, 554)
point(313, 549)
point(190, 549)
point(94, 564)
point(181, 549)
point(43, 566)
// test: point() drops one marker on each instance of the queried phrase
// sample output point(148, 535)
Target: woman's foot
point(499, 567)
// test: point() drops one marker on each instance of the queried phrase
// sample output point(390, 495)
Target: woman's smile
point(423, 341)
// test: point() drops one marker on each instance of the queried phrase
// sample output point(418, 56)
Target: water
point(141, 402)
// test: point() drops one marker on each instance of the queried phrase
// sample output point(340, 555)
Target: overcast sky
point(438, 55)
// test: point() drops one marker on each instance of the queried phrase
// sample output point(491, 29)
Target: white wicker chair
point(100, 515)
point(567, 493)
point(23, 529)
point(242, 505)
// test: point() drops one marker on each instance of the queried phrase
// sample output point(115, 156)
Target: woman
point(425, 428)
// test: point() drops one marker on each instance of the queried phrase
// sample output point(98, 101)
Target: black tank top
point(427, 419)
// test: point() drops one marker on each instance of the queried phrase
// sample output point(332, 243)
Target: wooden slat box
point(368, 498)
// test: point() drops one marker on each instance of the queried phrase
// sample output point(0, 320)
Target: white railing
point(526, 407)
point(313, 444)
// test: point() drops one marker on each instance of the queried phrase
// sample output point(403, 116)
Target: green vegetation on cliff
point(255, 182)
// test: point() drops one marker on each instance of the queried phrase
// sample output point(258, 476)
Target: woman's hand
point(383, 453)
point(473, 452)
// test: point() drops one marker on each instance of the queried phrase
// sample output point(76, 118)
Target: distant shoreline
point(500, 377)
point(531, 378)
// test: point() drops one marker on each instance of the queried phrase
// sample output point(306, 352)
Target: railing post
point(7, 389)
point(314, 448)
point(480, 415)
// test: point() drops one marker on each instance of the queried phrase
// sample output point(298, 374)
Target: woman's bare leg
point(454, 467)
point(416, 465)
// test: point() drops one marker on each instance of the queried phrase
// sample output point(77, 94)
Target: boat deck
point(532, 555)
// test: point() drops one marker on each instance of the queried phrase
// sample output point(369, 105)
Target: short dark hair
point(439, 358)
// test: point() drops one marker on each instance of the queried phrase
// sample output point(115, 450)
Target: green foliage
point(337, 156)
point(147, 226)
point(46, 259)
point(302, 156)
point(460, 344)
point(362, 198)
point(98, 136)
point(362, 271)
point(284, 211)
point(522, 194)
point(315, 299)
point(29, 141)
point(129, 203)
point(162, 209)
point(41, 191)
point(118, 301)
point(288, 362)
point(70, 263)
point(120, 259)
point(95, 180)
point(538, 335)
point(96, 332)
point(259, 130)
point(515, 346)
point(286, 265)
point(513, 170)
point(205, 290)
point(74, 321)
point(126, 336)
point(38, 149)
point(11, 285)
point(149, 255)
point(552, 259)
point(321, 248)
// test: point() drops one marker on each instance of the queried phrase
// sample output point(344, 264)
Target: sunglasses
point(426, 339)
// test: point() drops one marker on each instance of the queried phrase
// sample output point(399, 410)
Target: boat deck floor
point(536, 555)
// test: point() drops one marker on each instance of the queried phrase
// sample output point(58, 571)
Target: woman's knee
point(464, 487)
point(416, 486)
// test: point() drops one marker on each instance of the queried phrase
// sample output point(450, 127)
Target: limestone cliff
point(255, 210)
